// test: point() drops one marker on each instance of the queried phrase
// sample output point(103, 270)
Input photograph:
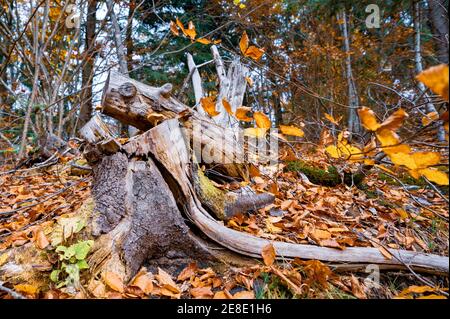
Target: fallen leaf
point(187, 272)
point(268, 254)
point(166, 281)
point(244, 295)
point(41, 240)
point(357, 290)
point(201, 292)
point(113, 281)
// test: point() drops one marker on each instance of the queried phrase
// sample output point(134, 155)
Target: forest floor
point(387, 210)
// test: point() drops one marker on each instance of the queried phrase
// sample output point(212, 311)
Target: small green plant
point(72, 262)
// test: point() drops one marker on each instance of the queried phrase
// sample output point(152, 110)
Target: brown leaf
point(144, 282)
point(357, 290)
point(201, 293)
point(268, 254)
point(244, 295)
point(113, 281)
point(187, 272)
point(222, 295)
point(165, 281)
point(41, 239)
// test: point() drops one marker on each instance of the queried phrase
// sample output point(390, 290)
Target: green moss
point(405, 178)
point(329, 177)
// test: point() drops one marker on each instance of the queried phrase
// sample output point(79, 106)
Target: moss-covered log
point(326, 177)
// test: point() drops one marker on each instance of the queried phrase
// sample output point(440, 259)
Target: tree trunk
point(419, 68)
point(353, 101)
point(439, 22)
point(88, 67)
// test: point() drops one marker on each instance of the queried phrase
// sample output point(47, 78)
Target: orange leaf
point(227, 106)
point(262, 121)
point(203, 41)
point(190, 31)
point(174, 29)
point(244, 295)
point(201, 292)
point(254, 53)
point(291, 130)
point(241, 113)
point(436, 78)
point(429, 118)
point(394, 121)
point(113, 281)
point(332, 119)
point(209, 106)
point(187, 272)
point(41, 240)
point(368, 119)
point(243, 43)
point(268, 254)
point(166, 281)
point(180, 25)
point(144, 282)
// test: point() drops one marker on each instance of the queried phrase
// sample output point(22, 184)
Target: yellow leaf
point(400, 212)
point(332, 119)
point(262, 121)
point(113, 281)
point(403, 159)
point(436, 78)
point(368, 119)
point(4, 258)
point(227, 106)
point(434, 175)
point(429, 118)
point(390, 142)
point(209, 106)
point(268, 254)
point(190, 31)
point(174, 29)
point(425, 159)
point(416, 290)
point(241, 113)
point(333, 151)
point(243, 43)
point(432, 297)
point(249, 81)
point(26, 289)
point(255, 132)
point(291, 130)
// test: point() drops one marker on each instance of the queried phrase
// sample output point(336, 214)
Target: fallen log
point(170, 145)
